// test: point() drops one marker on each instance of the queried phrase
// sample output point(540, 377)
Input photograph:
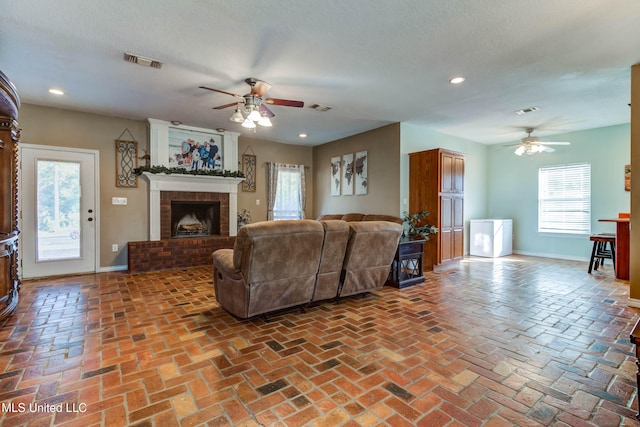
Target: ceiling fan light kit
point(252, 108)
point(248, 123)
point(254, 115)
point(531, 145)
point(237, 116)
point(265, 121)
point(531, 149)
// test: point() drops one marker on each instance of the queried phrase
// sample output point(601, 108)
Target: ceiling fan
point(251, 108)
point(532, 145)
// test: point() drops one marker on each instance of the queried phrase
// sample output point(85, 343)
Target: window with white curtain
point(564, 199)
point(288, 203)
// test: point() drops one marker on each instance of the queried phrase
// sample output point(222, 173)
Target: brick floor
point(511, 341)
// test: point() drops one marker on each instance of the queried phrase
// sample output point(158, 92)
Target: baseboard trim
point(555, 256)
point(113, 268)
point(632, 302)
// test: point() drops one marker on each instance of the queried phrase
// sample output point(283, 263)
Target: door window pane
point(58, 210)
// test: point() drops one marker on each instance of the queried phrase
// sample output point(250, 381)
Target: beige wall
point(122, 224)
point(268, 151)
point(383, 157)
point(64, 128)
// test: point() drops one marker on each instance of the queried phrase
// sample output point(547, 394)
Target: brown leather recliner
point(336, 237)
point(370, 252)
point(273, 266)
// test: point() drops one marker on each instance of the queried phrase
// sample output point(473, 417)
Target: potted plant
point(244, 217)
point(414, 227)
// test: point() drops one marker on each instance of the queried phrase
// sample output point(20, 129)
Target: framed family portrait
point(194, 150)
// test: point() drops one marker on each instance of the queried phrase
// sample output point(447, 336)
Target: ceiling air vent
point(319, 107)
point(141, 60)
point(526, 110)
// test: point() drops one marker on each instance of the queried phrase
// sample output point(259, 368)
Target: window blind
point(564, 199)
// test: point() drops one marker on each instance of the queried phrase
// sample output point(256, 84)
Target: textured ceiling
point(373, 61)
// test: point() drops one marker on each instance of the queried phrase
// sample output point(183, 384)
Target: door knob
point(90, 219)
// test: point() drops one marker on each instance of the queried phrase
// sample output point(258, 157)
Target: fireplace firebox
point(195, 219)
point(196, 207)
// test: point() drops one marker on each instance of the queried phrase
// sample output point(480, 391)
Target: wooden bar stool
point(600, 252)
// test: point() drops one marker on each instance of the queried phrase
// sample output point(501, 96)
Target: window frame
point(571, 184)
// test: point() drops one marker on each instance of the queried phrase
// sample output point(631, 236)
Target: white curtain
point(286, 192)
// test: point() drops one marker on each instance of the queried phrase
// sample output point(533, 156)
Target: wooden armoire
point(436, 184)
point(9, 137)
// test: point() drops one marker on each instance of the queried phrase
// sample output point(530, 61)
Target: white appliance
point(490, 237)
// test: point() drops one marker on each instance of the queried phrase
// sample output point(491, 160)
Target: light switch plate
point(118, 200)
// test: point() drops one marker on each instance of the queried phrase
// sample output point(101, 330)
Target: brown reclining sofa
point(281, 264)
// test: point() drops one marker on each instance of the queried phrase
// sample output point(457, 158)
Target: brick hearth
point(168, 253)
point(174, 253)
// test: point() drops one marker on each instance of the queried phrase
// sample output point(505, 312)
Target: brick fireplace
point(165, 249)
point(191, 188)
point(174, 204)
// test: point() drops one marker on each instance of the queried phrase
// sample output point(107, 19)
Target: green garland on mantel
point(180, 171)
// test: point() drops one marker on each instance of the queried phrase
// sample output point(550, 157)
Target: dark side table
point(406, 269)
point(635, 339)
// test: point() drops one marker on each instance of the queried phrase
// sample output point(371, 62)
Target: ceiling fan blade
point(554, 143)
point(260, 88)
point(263, 109)
point(221, 107)
point(548, 149)
point(284, 102)
point(220, 91)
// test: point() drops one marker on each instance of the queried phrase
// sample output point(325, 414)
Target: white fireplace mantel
point(191, 183)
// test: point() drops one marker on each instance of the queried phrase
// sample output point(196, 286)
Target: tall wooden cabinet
point(9, 137)
point(436, 184)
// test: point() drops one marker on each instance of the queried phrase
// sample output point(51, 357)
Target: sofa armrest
point(223, 261)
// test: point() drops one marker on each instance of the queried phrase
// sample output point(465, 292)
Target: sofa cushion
point(370, 252)
point(352, 217)
point(336, 237)
point(381, 217)
point(329, 216)
point(361, 217)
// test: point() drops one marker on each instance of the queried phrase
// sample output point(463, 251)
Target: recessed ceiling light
point(303, 135)
point(456, 80)
point(56, 91)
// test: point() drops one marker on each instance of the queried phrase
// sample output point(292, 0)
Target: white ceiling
point(374, 61)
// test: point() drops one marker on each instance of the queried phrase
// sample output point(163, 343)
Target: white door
point(58, 206)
